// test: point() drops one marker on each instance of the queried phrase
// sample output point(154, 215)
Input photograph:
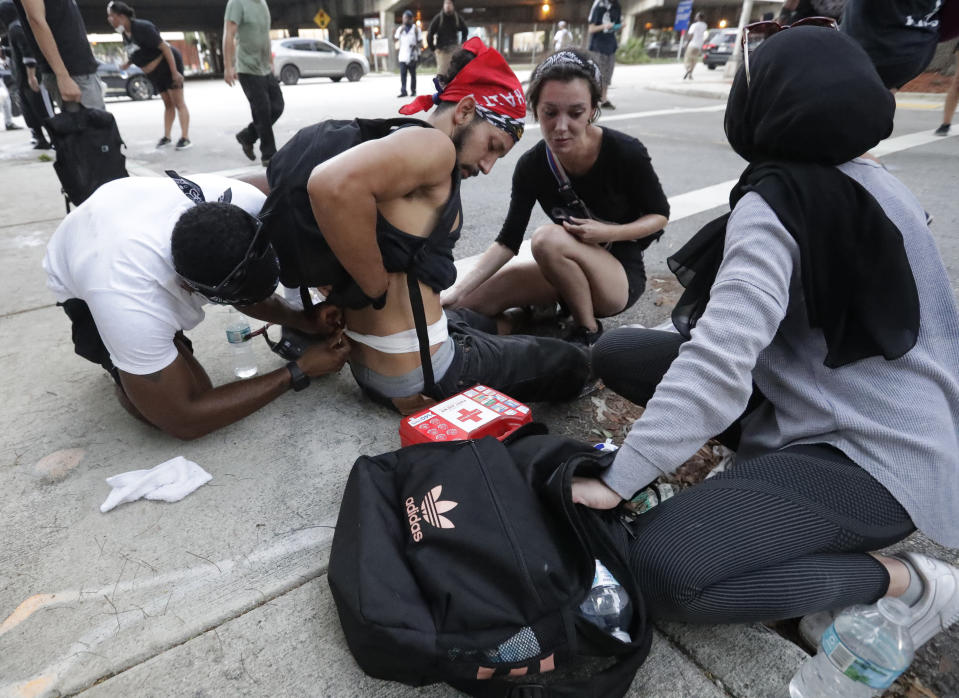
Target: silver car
point(295, 57)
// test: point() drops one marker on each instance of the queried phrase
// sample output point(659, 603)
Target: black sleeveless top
point(305, 257)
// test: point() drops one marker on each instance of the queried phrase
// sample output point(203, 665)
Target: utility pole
point(732, 65)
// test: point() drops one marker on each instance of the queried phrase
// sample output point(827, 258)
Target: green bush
point(632, 51)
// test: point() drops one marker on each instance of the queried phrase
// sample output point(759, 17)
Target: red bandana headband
point(490, 81)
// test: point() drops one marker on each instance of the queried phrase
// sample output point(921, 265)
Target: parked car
point(131, 82)
point(718, 47)
point(662, 47)
point(295, 58)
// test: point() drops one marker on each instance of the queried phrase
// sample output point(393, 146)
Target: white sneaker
point(938, 607)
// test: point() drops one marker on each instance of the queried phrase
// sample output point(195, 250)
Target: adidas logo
point(431, 510)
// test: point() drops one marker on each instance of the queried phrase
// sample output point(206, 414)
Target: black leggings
point(777, 536)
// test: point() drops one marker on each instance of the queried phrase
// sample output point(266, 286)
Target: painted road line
point(675, 111)
point(910, 140)
point(701, 200)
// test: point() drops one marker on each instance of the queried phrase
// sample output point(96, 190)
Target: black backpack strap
point(419, 320)
point(191, 190)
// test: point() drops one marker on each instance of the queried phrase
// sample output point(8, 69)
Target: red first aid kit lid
point(471, 414)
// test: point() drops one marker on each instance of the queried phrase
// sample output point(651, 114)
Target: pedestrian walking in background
point(900, 36)
point(694, 45)
point(563, 37)
point(446, 32)
point(23, 68)
point(6, 108)
point(409, 42)
point(58, 39)
point(160, 62)
point(605, 17)
point(248, 57)
point(952, 98)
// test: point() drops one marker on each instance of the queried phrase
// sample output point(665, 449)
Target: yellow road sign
point(321, 19)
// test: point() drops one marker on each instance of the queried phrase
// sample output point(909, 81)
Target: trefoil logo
point(431, 510)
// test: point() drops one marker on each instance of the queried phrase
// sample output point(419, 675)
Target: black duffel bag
point(466, 562)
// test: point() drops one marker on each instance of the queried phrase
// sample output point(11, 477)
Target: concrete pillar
point(387, 29)
point(732, 65)
point(629, 24)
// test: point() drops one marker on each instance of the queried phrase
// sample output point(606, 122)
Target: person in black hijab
point(816, 337)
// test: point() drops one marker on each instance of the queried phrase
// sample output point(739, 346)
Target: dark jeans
point(33, 110)
point(776, 536)
point(527, 368)
point(266, 105)
point(411, 68)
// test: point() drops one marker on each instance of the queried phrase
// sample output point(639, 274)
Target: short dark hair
point(700, 16)
point(458, 61)
point(8, 14)
point(210, 239)
point(120, 8)
point(553, 68)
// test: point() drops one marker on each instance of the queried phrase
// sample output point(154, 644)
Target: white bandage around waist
point(402, 342)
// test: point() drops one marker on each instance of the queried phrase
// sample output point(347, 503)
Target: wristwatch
point(300, 379)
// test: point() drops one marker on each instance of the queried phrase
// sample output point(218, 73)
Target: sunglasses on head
point(757, 32)
point(230, 290)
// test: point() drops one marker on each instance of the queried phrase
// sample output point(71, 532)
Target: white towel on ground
point(170, 481)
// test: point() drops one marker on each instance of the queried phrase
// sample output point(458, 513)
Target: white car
point(295, 57)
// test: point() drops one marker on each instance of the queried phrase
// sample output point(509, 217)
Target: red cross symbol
point(473, 415)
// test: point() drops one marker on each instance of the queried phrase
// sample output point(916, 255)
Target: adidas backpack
point(466, 562)
point(89, 151)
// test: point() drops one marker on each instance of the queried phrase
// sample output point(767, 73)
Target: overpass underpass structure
point(503, 23)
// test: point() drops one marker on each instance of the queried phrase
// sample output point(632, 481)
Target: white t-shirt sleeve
point(120, 319)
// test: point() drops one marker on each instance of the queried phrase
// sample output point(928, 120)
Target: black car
point(132, 82)
point(718, 47)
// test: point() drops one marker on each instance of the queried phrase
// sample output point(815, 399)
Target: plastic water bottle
point(607, 604)
point(860, 654)
point(244, 360)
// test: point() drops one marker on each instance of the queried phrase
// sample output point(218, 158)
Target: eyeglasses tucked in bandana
point(757, 32)
point(230, 290)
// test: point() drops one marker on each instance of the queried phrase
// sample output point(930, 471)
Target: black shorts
point(86, 337)
point(630, 255)
point(161, 77)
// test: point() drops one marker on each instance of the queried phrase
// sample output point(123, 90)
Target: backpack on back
point(466, 562)
point(89, 151)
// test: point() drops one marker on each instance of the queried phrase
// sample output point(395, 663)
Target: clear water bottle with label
point(607, 604)
point(237, 331)
point(860, 654)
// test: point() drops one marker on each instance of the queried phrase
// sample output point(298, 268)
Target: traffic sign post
point(321, 19)
point(683, 12)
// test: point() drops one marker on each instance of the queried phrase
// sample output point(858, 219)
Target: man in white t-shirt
point(409, 41)
point(116, 280)
point(563, 37)
point(694, 45)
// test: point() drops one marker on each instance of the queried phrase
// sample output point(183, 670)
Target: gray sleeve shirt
point(899, 420)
